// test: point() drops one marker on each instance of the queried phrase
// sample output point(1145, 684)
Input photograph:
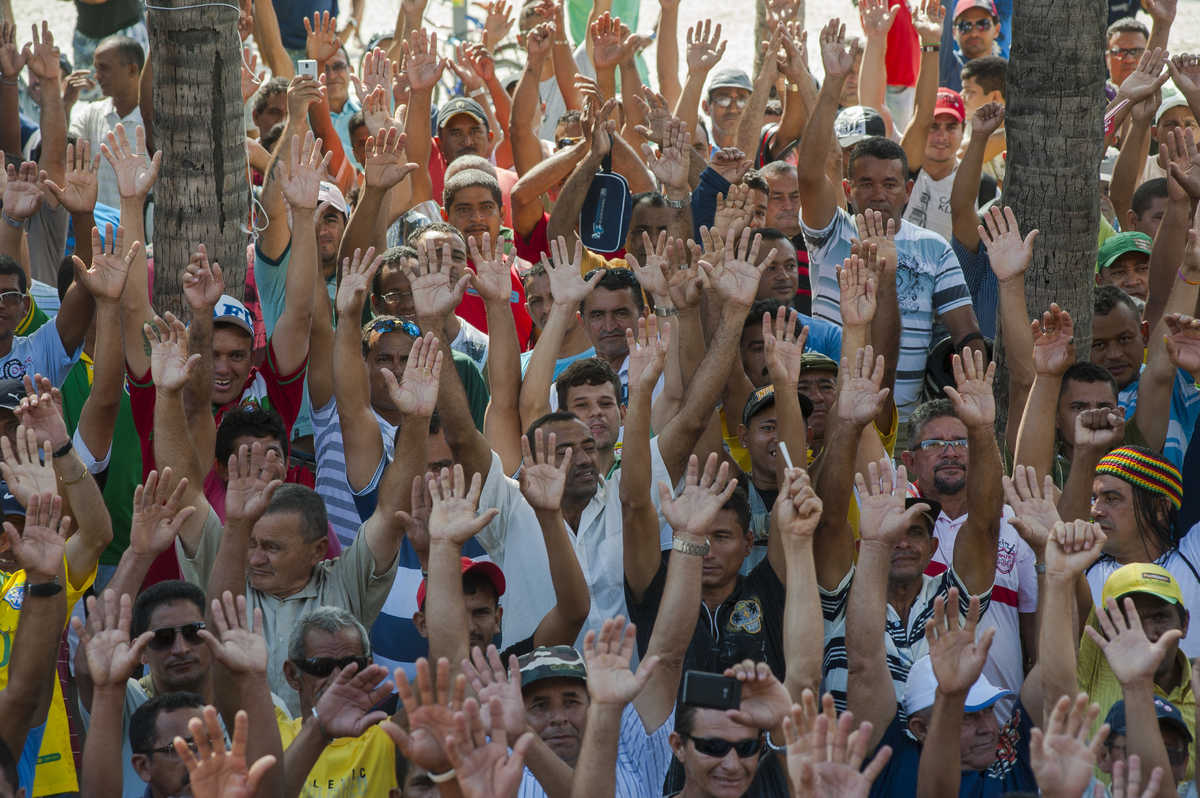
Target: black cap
point(935, 508)
point(764, 397)
point(461, 105)
point(11, 393)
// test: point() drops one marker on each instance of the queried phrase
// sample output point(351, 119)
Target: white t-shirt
point(472, 342)
point(40, 352)
point(929, 204)
point(552, 99)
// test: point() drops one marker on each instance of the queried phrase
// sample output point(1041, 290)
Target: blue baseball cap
point(230, 310)
point(1164, 710)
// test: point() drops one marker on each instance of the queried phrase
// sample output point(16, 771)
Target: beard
point(948, 485)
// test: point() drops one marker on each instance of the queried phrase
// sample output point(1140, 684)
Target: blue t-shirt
point(291, 15)
point(981, 282)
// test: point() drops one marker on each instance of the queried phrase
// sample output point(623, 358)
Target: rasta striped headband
point(1144, 469)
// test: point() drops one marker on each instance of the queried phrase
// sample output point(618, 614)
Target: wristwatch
point(684, 546)
point(678, 204)
point(43, 589)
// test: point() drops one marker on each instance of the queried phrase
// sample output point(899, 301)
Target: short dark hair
point(618, 280)
point(8, 767)
point(8, 265)
point(267, 90)
point(568, 117)
point(128, 49)
point(437, 226)
point(393, 258)
point(304, 502)
point(990, 72)
point(761, 306)
point(158, 594)
point(926, 412)
point(472, 178)
point(739, 503)
point(769, 234)
point(273, 135)
point(535, 270)
point(145, 717)
point(1126, 25)
point(1146, 193)
point(1086, 371)
point(357, 120)
point(774, 107)
point(549, 418)
point(1106, 298)
point(754, 180)
point(253, 420)
point(586, 371)
point(652, 198)
point(879, 147)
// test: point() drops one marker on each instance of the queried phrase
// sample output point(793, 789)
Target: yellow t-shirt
point(55, 765)
point(363, 767)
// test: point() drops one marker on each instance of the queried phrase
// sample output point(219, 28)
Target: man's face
point(757, 201)
point(1178, 118)
point(1129, 272)
point(273, 114)
point(556, 710)
point(1132, 44)
point(729, 545)
point(337, 80)
point(12, 309)
point(1158, 616)
point(390, 353)
point(331, 225)
point(646, 219)
point(945, 135)
point(1117, 343)
point(474, 211)
point(606, 316)
point(939, 470)
point(463, 134)
point(458, 251)
point(760, 437)
point(821, 389)
point(232, 349)
point(1150, 219)
point(483, 614)
point(318, 643)
point(165, 771)
point(279, 561)
point(1177, 745)
point(725, 106)
point(538, 299)
point(783, 202)
point(358, 143)
point(583, 476)
point(701, 143)
point(879, 185)
point(183, 665)
point(1113, 510)
point(978, 40)
point(781, 277)
point(912, 553)
point(395, 292)
point(977, 739)
point(598, 407)
point(1078, 396)
point(974, 97)
point(727, 776)
point(113, 74)
point(754, 358)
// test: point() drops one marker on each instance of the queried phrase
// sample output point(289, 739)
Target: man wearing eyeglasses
point(728, 93)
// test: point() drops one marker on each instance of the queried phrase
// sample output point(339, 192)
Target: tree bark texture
point(202, 194)
point(1054, 124)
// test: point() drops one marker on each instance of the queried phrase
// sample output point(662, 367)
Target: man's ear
point(419, 622)
point(291, 673)
point(141, 765)
point(677, 743)
point(908, 187)
point(918, 726)
point(704, 106)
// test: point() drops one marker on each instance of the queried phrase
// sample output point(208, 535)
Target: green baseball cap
point(551, 662)
point(1118, 245)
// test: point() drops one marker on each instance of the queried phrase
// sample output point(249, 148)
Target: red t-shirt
point(507, 178)
point(472, 309)
point(531, 247)
point(903, 57)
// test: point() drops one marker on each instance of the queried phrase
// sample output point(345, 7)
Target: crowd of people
point(518, 379)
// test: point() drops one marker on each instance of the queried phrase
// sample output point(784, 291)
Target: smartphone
point(711, 690)
point(307, 67)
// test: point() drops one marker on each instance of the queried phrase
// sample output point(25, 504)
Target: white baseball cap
point(230, 310)
point(921, 687)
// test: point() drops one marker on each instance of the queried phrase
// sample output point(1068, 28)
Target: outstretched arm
point(794, 518)
point(1053, 353)
point(928, 22)
point(818, 195)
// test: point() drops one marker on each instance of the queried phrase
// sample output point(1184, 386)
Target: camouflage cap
point(551, 662)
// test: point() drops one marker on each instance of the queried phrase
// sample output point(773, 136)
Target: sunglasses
point(164, 638)
point(169, 750)
point(981, 25)
point(323, 666)
point(938, 443)
point(715, 746)
point(725, 101)
point(391, 325)
point(10, 299)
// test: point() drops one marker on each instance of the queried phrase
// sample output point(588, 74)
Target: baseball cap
point(484, 568)
point(230, 310)
point(8, 502)
point(930, 515)
point(729, 78)
point(921, 686)
point(551, 662)
point(1142, 577)
point(333, 195)
point(1116, 246)
point(966, 5)
point(764, 397)
point(1164, 710)
point(461, 105)
point(950, 102)
point(11, 393)
point(1171, 98)
point(816, 361)
point(857, 122)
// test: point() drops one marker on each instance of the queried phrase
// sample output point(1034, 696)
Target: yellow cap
point(1142, 577)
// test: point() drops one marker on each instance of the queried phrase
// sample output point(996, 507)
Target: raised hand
point(1072, 547)
point(987, 119)
point(415, 523)
point(322, 42)
point(1183, 162)
point(607, 656)
point(1183, 342)
point(40, 546)
point(656, 113)
point(704, 46)
point(671, 164)
point(539, 41)
point(541, 480)
point(22, 193)
point(493, 271)
point(1035, 507)
point(41, 55)
point(1185, 73)
point(302, 92)
point(250, 75)
point(40, 411)
point(797, 508)
point(453, 516)
point(1053, 342)
point(111, 656)
point(733, 209)
point(567, 285)
point(27, 476)
point(1130, 654)
point(497, 23)
point(136, 171)
point(1008, 253)
point(956, 655)
point(860, 395)
point(237, 645)
point(1062, 757)
point(111, 261)
point(765, 701)
point(876, 17)
point(606, 41)
point(12, 60)
point(882, 493)
point(385, 159)
point(213, 771)
point(857, 290)
point(203, 281)
point(416, 393)
point(355, 285)
point(647, 353)
point(836, 56)
point(483, 765)
point(1127, 779)
point(434, 297)
point(78, 192)
point(302, 173)
point(491, 682)
point(783, 346)
point(731, 164)
point(873, 230)
point(820, 767)
point(792, 61)
point(378, 71)
point(928, 20)
point(736, 278)
point(1147, 78)
point(377, 116)
point(421, 62)
point(254, 474)
point(158, 514)
point(1161, 11)
point(464, 68)
point(691, 513)
point(166, 341)
point(973, 400)
point(651, 274)
point(1099, 429)
point(430, 716)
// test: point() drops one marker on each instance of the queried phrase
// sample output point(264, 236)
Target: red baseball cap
point(484, 568)
point(950, 102)
point(965, 5)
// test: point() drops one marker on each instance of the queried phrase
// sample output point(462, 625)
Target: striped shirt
point(929, 284)
point(1184, 413)
point(642, 759)
point(904, 639)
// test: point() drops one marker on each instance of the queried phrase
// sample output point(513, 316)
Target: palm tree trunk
point(202, 191)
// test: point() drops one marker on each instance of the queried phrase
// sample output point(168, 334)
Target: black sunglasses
point(164, 638)
point(323, 666)
point(715, 746)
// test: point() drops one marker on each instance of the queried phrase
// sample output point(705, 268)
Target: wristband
point(441, 778)
point(679, 204)
point(16, 224)
point(64, 450)
point(930, 48)
point(1179, 271)
point(688, 547)
point(771, 743)
point(662, 311)
point(43, 589)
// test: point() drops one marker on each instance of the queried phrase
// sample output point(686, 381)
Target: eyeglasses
point(323, 666)
point(715, 746)
point(169, 749)
point(387, 325)
point(164, 638)
point(938, 443)
point(10, 299)
point(724, 101)
point(1126, 53)
point(392, 297)
point(337, 66)
point(980, 25)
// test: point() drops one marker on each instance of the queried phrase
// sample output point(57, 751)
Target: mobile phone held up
point(307, 67)
point(711, 690)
